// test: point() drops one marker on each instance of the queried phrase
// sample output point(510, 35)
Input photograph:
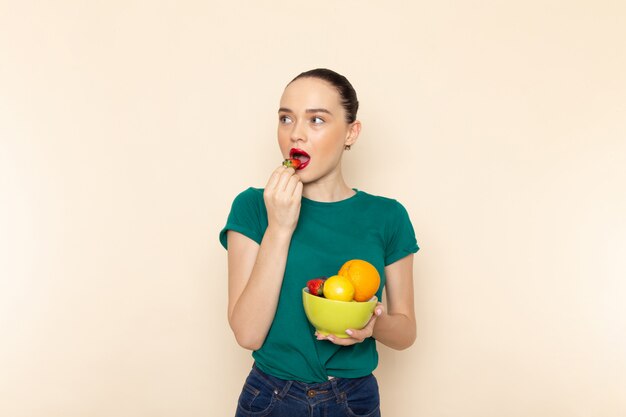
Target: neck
point(328, 191)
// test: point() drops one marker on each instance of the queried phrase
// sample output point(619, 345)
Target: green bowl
point(335, 317)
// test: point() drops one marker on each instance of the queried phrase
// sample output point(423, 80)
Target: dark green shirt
point(364, 226)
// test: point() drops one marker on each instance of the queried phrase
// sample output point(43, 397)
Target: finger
point(284, 178)
point(340, 341)
point(297, 193)
point(362, 334)
point(370, 324)
point(366, 331)
point(291, 185)
point(327, 337)
point(274, 178)
point(378, 311)
point(334, 339)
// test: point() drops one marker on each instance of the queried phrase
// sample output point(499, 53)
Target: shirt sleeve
point(245, 216)
point(401, 240)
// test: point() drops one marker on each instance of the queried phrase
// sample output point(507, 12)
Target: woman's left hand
point(356, 335)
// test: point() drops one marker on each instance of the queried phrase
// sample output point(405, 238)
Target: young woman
point(305, 224)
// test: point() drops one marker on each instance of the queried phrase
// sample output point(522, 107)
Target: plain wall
point(127, 128)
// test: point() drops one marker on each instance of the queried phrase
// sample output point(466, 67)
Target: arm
point(255, 272)
point(395, 327)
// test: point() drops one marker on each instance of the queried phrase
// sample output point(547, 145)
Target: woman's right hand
point(283, 196)
point(256, 271)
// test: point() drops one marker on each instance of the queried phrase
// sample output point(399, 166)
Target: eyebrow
point(320, 110)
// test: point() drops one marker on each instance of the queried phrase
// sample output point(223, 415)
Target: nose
point(298, 132)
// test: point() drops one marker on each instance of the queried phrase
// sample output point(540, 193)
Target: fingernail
point(349, 332)
point(379, 312)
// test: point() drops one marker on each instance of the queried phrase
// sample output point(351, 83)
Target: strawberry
point(316, 286)
point(292, 163)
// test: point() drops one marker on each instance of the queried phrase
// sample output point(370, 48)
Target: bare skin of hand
point(356, 335)
point(282, 196)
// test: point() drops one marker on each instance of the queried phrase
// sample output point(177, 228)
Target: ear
point(353, 133)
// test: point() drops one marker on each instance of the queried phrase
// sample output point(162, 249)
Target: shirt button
point(310, 393)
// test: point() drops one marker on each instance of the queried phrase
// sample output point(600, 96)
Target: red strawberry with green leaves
point(292, 163)
point(316, 286)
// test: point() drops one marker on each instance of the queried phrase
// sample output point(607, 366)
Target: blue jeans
point(266, 396)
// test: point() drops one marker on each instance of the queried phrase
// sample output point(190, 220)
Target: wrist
point(279, 231)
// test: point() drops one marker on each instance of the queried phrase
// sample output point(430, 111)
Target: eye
point(317, 120)
point(284, 119)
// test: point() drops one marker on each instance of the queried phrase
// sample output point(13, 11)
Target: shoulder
point(390, 213)
point(247, 216)
point(252, 192)
point(387, 204)
point(250, 195)
point(249, 200)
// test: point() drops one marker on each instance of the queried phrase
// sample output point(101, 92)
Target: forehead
point(310, 93)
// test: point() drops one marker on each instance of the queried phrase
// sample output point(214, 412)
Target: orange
point(364, 277)
point(338, 288)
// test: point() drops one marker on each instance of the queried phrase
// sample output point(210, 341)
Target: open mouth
point(301, 156)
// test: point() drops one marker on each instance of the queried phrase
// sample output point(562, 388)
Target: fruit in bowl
point(338, 288)
point(363, 275)
point(343, 301)
point(334, 316)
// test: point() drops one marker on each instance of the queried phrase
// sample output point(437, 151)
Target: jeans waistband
point(321, 391)
point(335, 388)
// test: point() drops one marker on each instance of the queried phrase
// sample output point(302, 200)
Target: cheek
point(329, 148)
point(284, 142)
point(331, 142)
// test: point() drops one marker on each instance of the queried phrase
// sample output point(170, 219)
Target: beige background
point(127, 128)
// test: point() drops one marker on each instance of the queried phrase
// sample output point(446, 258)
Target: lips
point(300, 155)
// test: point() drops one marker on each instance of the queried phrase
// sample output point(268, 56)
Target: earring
point(347, 147)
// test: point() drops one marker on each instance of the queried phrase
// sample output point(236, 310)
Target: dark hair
point(343, 86)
